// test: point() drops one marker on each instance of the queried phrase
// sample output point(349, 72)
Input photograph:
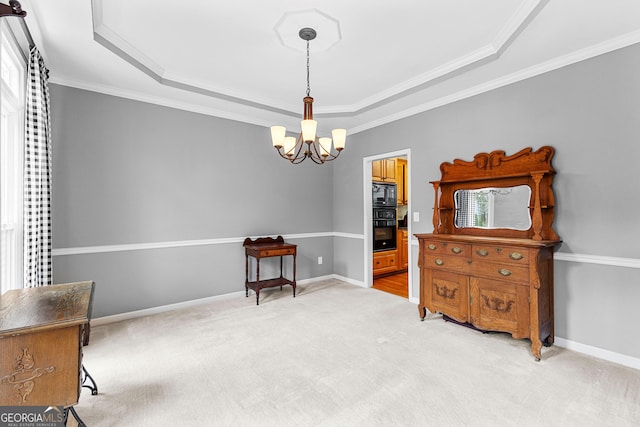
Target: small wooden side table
point(266, 247)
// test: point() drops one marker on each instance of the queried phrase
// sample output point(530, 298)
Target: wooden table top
point(45, 307)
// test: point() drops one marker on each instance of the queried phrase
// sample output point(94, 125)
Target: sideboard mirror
point(493, 207)
point(496, 195)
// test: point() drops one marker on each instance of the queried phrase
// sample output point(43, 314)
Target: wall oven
point(384, 195)
point(384, 229)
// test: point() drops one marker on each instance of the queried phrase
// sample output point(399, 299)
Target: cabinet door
point(383, 170)
point(499, 306)
point(401, 180)
point(404, 248)
point(447, 292)
point(384, 262)
point(377, 173)
point(390, 170)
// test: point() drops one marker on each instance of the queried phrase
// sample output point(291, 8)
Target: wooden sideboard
point(494, 284)
point(42, 330)
point(494, 278)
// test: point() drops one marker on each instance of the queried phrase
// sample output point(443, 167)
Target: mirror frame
point(495, 169)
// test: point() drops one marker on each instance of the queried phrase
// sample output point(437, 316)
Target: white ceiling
point(373, 61)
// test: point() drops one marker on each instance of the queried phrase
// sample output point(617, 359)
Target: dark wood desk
point(266, 247)
point(41, 335)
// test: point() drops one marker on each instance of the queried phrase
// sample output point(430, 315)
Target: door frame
point(368, 216)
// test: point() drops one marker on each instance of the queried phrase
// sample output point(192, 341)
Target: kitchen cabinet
point(384, 170)
point(403, 252)
point(402, 178)
point(385, 262)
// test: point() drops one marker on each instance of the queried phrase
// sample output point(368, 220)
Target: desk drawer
point(277, 252)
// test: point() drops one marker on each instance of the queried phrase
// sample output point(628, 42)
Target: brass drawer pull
point(431, 247)
point(504, 272)
point(482, 252)
point(515, 255)
point(456, 250)
point(439, 261)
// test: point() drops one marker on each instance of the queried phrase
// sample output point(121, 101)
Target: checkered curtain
point(465, 208)
point(37, 176)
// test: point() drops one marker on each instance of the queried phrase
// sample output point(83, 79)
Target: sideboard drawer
point(449, 263)
point(501, 271)
point(447, 248)
point(500, 254)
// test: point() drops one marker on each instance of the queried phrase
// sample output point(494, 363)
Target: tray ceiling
point(372, 62)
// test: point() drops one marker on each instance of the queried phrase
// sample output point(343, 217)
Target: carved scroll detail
point(496, 304)
point(24, 374)
point(483, 164)
point(445, 292)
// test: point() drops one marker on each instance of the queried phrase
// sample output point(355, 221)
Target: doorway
point(388, 269)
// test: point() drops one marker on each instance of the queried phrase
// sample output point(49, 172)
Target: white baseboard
point(162, 309)
point(193, 303)
point(348, 280)
point(621, 359)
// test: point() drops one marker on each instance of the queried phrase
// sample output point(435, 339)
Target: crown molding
point(362, 125)
point(254, 119)
point(538, 69)
point(109, 39)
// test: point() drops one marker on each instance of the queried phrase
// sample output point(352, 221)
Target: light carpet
point(339, 355)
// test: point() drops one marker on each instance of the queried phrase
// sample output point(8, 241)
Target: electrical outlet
point(319, 260)
point(416, 217)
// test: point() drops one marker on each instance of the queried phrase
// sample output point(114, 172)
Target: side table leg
point(246, 275)
point(258, 281)
point(294, 275)
point(75, 415)
point(86, 376)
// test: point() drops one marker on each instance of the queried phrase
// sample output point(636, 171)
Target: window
point(12, 99)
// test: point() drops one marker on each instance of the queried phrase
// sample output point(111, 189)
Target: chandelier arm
point(331, 157)
point(282, 154)
point(315, 148)
point(299, 155)
point(316, 160)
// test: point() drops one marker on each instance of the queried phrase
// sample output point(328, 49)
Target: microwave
point(384, 194)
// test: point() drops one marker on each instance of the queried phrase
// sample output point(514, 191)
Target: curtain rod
point(15, 9)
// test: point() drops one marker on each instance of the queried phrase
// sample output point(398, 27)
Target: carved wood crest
point(487, 165)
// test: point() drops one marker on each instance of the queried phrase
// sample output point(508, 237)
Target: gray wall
point(128, 172)
point(590, 113)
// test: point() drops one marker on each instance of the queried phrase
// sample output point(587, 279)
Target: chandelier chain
point(308, 86)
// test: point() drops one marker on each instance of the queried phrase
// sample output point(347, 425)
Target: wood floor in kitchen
point(396, 284)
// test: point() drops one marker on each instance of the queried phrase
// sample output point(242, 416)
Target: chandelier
point(307, 145)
